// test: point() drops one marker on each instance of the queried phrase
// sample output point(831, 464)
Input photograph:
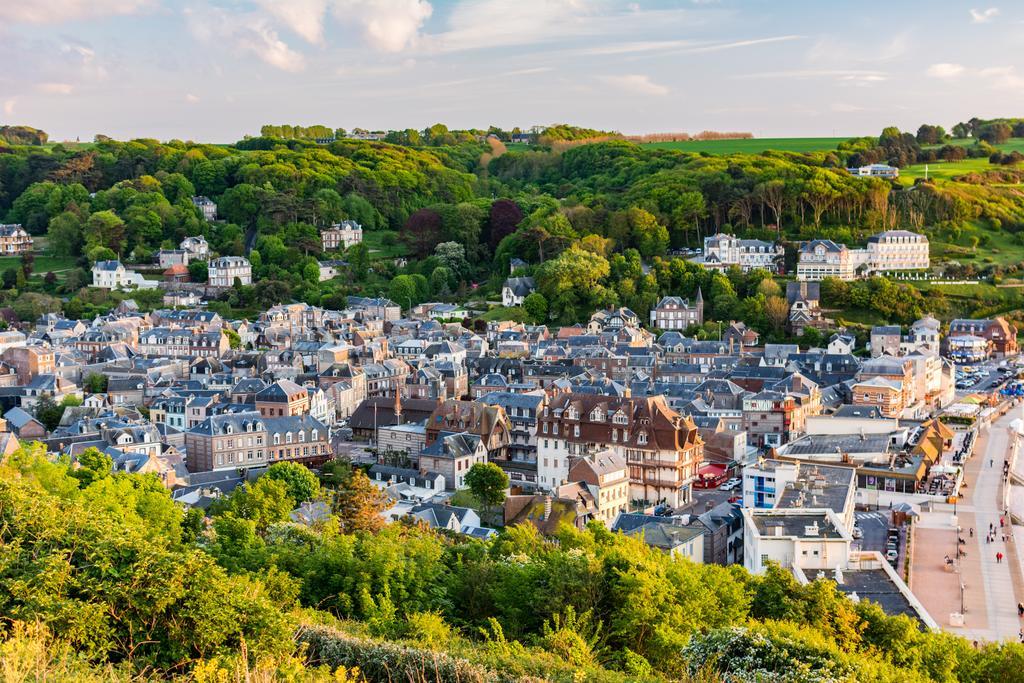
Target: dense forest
point(105, 578)
point(596, 222)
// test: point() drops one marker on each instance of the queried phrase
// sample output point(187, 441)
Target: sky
point(215, 70)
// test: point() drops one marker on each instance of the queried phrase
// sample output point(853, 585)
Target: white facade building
point(207, 207)
point(723, 251)
point(196, 247)
point(803, 538)
point(893, 251)
point(113, 275)
point(341, 236)
point(898, 250)
point(224, 270)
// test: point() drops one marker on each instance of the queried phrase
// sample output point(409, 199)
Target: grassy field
point(375, 242)
point(43, 264)
point(995, 247)
point(944, 170)
point(501, 314)
point(753, 146)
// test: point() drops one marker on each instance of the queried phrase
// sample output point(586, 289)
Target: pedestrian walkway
point(990, 595)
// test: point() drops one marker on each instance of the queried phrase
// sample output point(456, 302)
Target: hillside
point(443, 218)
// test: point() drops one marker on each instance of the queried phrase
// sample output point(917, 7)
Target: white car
point(730, 485)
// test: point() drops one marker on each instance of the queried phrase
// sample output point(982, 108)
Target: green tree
point(65, 234)
point(488, 483)
point(96, 383)
point(93, 465)
point(300, 483)
point(198, 271)
point(263, 502)
point(358, 256)
point(536, 307)
point(403, 291)
point(104, 229)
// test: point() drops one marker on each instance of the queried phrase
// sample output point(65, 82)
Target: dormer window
point(277, 439)
point(641, 438)
point(620, 418)
point(288, 437)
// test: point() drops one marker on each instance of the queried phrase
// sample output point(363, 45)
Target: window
point(288, 437)
point(277, 439)
point(576, 430)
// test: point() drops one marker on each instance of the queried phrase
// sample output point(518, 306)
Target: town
point(832, 461)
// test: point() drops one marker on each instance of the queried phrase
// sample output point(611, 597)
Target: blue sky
point(215, 70)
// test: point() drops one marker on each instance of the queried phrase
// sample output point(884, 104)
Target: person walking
point(999, 558)
point(972, 531)
point(1020, 609)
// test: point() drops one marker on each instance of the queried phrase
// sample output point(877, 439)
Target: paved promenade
point(990, 588)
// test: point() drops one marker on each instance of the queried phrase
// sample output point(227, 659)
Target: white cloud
point(718, 47)
point(945, 70)
point(387, 25)
point(58, 11)
point(55, 88)
point(263, 41)
point(191, 99)
point(247, 33)
point(488, 24)
point(997, 77)
point(845, 108)
point(636, 83)
point(860, 76)
point(9, 106)
point(1002, 77)
point(983, 16)
point(304, 17)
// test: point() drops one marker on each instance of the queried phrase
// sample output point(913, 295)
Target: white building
point(875, 171)
point(722, 251)
point(341, 236)
point(207, 206)
point(897, 250)
point(516, 289)
point(820, 259)
point(223, 271)
point(196, 247)
point(677, 313)
point(794, 538)
point(113, 275)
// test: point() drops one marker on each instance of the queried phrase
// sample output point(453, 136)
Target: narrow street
point(990, 593)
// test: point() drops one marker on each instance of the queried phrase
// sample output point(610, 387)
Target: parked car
point(858, 532)
point(892, 556)
point(731, 484)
